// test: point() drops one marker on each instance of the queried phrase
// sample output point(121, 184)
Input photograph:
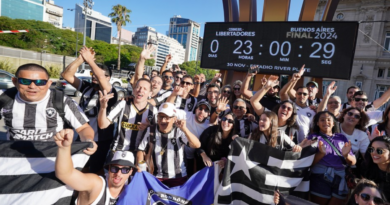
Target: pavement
point(3, 134)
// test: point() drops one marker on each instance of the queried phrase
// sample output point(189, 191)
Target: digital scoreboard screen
point(326, 48)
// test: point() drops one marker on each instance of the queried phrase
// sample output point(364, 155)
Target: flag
point(254, 170)
point(146, 189)
point(27, 172)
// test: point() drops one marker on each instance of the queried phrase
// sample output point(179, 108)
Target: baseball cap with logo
point(123, 158)
point(168, 108)
point(313, 82)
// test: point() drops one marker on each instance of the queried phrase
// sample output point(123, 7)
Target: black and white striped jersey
point(188, 105)
point(244, 127)
point(168, 152)
point(128, 127)
point(162, 96)
point(89, 103)
point(39, 121)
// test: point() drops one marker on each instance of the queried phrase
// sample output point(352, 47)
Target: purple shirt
point(332, 159)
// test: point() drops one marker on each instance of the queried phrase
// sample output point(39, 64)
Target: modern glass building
point(186, 32)
point(98, 26)
point(22, 9)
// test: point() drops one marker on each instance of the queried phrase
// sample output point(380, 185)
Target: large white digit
point(331, 51)
point(288, 50)
point(313, 55)
point(212, 45)
point(277, 48)
point(236, 51)
point(249, 47)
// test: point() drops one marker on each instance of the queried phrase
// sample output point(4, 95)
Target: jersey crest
point(50, 112)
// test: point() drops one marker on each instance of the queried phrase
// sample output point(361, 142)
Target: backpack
point(9, 95)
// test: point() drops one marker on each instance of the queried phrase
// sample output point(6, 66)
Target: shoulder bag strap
point(334, 148)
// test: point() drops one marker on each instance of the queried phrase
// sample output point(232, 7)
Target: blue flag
point(146, 189)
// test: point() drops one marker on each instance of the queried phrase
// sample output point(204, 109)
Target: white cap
point(168, 108)
point(123, 158)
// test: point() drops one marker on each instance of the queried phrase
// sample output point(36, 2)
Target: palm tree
point(120, 16)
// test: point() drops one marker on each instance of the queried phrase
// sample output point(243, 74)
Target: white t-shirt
point(304, 118)
point(195, 128)
point(375, 117)
point(359, 140)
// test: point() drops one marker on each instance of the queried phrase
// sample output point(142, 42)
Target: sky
point(156, 13)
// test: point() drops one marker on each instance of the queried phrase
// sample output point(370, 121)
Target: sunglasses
point(372, 150)
point(124, 170)
point(226, 119)
point(203, 109)
point(361, 99)
point(356, 116)
point(212, 92)
point(185, 83)
point(239, 107)
point(226, 91)
point(300, 93)
point(276, 86)
point(25, 81)
point(168, 77)
point(367, 197)
point(286, 107)
point(236, 88)
point(178, 78)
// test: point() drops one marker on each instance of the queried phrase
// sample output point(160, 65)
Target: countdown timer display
point(326, 48)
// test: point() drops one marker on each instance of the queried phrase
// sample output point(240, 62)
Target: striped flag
point(27, 172)
point(254, 170)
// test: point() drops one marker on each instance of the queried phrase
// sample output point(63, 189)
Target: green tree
point(120, 16)
point(193, 69)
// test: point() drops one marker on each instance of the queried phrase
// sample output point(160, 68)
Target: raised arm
point(177, 91)
point(221, 107)
point(193, 141)
point(139, 68)
point(329, 91)
point(70, 71)
point(245, 84)
point(168, 58)
point(196, 90)
point(89, 57)
point(215, 78)
point(255, 100)
point(382, 100)
point(286, 88)
point(64, 166)
point(103, 121)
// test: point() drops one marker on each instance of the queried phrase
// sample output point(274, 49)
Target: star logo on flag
point(242, 163)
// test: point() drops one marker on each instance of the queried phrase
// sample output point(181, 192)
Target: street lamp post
point(87, 6)
point(77, 35)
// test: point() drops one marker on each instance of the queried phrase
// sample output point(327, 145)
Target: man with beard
point(350, 92)
point(360, 101)
point(166, 89)
point(245, 124)
point(372, 106)
point(93, 189)
point(197, 120)
point(178, 78)
point(312, 86)
point(89, 102)
point(217, 105)
point(304, 113)
point(269, 100)
point(184, 101)
point(168, 151)
point(131, 112)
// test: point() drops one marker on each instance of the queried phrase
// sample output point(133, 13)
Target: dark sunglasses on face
point(226, 91)
point(239, 107)
point(178, 78)
point(356, 116)
point(360, 99)
point(378, 150)
point(185, 83)
point(124, 170)
point(301, 93)
point(229, 120)
point(168, 77)
point(367, 197)
point(25, 81)
point(236, 88)
point(203, 109)
point(286, 107)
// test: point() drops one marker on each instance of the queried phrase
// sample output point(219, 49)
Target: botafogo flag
point(255, 170)
point(27, 172)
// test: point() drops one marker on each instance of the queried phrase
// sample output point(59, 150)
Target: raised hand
point(88, 54)
point(181, 124)
point(178, 91)
point(346, 149)
point(374, 134)
point(197, 78)
point(168, 58)
point(322, 147)
point(104, 98)
point(297, 76)
point(252, 71)
point(147, 51)
point(216, 76)
point(272, 81)
point(331, 88)
point(64, 138)
point(221, 104)
point(264, 80)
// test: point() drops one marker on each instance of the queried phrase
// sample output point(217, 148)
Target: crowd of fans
point(174, 124)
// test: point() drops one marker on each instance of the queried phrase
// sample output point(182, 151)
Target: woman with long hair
point(366, 192)
point(215, 142)
point(286, 111)
point(377, 163)
point(268, 133)
point(327, 180)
